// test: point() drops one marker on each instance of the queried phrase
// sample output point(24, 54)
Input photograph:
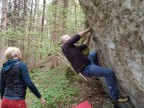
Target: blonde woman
point(14, 81)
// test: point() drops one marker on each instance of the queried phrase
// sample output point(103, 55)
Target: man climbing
point(88, 66)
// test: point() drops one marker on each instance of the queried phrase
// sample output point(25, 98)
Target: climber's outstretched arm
point(82, 33)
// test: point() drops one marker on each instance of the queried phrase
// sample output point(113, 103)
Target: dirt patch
point(92, 91)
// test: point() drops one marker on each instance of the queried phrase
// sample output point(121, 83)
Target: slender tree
point(75, 15)
point(15, 14)
point(43, 16)
point(31, 14)
point(54, 33)
point(65, 10)
point(25, 10)
point(4, 14)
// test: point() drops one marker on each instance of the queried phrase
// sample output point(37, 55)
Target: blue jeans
point(94, 70)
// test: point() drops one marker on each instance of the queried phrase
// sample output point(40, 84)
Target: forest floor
point(63, 92)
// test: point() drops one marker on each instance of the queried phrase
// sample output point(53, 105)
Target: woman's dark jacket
point(15, 79)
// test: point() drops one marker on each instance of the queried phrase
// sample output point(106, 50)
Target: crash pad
point(84, 104)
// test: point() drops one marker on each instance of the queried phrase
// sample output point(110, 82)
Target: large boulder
point(118, 27)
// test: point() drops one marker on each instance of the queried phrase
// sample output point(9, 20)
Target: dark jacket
point(74, 54)
point(15, 79)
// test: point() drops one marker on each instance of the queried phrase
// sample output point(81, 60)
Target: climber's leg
point(94, 70)
point(93, 57)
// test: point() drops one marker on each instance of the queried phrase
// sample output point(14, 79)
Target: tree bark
point(54, 33)
point(65, 8)
point(43, 16)
point(25, 10)
point(4, 14)
point(14, 23)
point(31, 13)
point(75, 16)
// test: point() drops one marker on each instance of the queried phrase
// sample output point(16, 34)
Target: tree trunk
point(75, 15)
point(43, 16)
point(10, 13)
point(25, 11)
point(35, 11)
point(4, 14)
point(54, 33)
point(14, 23)
point(65, 8)
point(31, 13)
point(42, 26)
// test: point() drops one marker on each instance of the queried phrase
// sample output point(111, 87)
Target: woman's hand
point(43, 101)
point(0, 103)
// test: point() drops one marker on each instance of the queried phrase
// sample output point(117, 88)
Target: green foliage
point(29, 36)
point(54, 86)
point(70, 74)
point(10, 34)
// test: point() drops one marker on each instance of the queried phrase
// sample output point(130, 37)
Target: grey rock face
point(119, 36)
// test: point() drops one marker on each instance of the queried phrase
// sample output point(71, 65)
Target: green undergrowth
point(54, 86)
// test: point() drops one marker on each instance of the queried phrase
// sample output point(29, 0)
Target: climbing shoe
point(122, 99)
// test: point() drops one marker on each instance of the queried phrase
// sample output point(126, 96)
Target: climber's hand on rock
point(90, 33)
point(89, 29)
point(82, 33)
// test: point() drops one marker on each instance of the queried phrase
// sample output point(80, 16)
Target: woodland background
point(35, 26)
